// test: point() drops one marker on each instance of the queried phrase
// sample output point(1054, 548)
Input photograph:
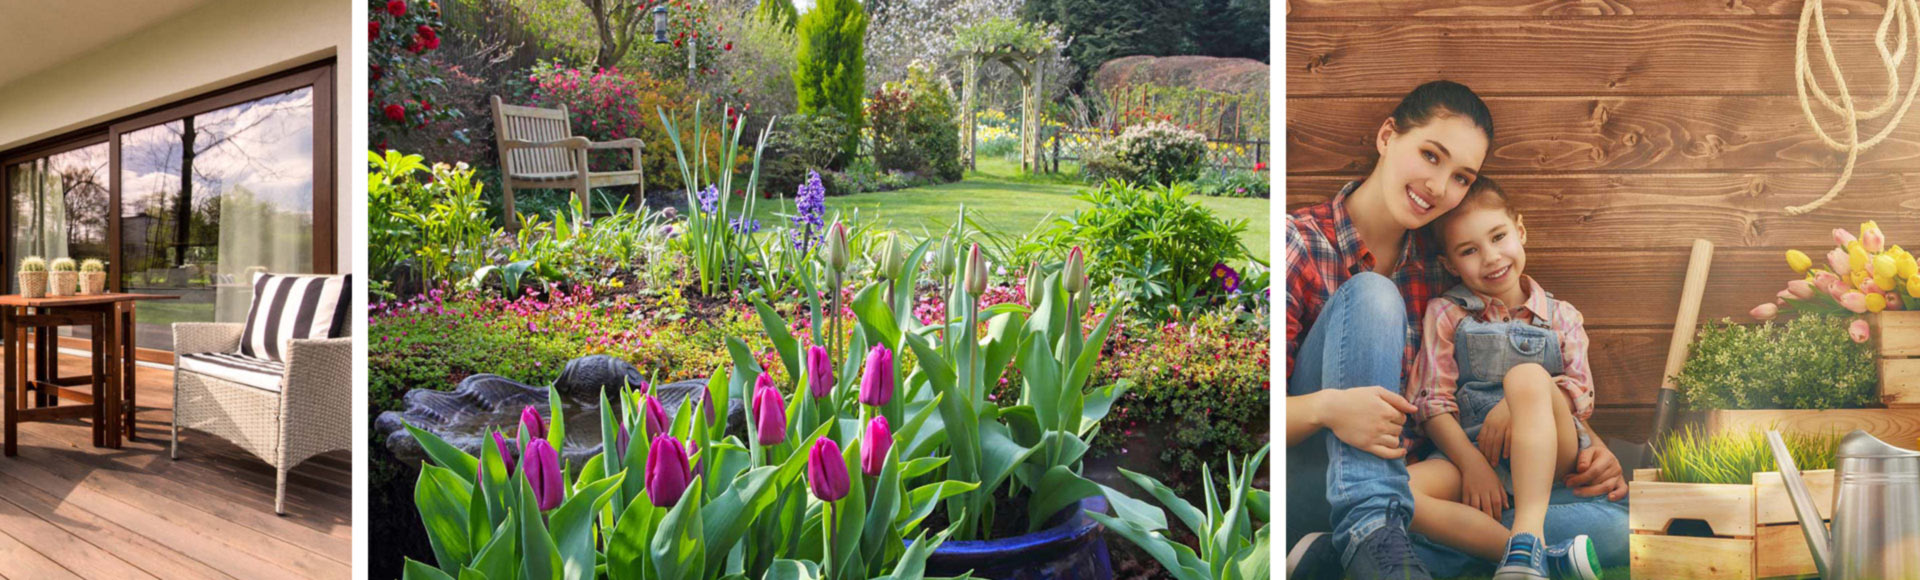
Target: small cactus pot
point(93, 283)
point(33, 284)
point(62, 283)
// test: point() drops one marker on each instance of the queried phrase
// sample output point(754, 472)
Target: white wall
point(219, 44)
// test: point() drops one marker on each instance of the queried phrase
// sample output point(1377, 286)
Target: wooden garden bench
point(538, 151)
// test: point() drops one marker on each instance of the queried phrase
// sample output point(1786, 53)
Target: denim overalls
point(1485, 351)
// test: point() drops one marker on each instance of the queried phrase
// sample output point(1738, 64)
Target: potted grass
point(62, 280)
point(1715, 507)
point(33, 277)
point(93, 277)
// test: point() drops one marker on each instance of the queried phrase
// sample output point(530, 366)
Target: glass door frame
point(66, 143)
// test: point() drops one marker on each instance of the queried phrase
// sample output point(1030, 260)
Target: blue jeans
point(1358, 340)
point(1568, 515)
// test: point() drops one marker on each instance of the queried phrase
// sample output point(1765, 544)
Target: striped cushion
point(249, 371)
point(293, 307)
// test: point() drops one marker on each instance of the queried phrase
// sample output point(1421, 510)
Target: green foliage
point(1234, 544)
point(439, 226)
point(1689, 456)
point(1153, 243)
point(831, 64)
point(609, 105)
point(805, 143)
point(1234, 183)
point(556, 251)
point(401, 77)
point(717, 239)
point(1808, 363)
point(999, 35)
point(1155, 152)
point(914, 127)
point(780, 12)
point(1104, 30)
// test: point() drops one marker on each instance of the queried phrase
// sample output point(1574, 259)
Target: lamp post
point(660, 36)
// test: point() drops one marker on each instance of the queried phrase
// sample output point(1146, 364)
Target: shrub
point(1808, 363)
point(399, 75)
point(609, 105)
point(1157, 152)
point(830, 70)
point(914, 127)
point(1152, 243)
point(804, 143)
point(438, 226)
point(1233, 183)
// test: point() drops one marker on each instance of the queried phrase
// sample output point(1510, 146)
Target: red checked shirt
point(1323, 251)
point(1437, 372)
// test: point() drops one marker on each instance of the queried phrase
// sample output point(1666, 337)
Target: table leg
point(101, 354)
point(12, 399)
point(129, 363)
point(41, 362)
point(114, 378)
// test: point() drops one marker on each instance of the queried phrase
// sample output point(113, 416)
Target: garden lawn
point(1004, 200)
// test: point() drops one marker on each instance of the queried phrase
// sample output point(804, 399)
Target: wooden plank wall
point(1625, 130)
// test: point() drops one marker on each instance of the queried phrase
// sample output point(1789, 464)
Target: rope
point(1904, 13)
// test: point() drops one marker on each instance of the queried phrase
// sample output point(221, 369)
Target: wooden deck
point(70, 510)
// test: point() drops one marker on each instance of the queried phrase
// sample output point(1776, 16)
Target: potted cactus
point(61, 278)
point(33, 277)
point(93, 277)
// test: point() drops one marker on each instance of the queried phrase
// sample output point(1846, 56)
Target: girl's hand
point(1368, 418)
point(1480, 488)
point(1494, 444)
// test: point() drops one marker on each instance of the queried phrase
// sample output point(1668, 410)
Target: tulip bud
point(886, 263)
point(770, 414)
point(1854, 300)
point(1800, 289)
point(1075, 274)
point(1880, 283)
point(976, 272)
point(543, 473)
point(1784, 296)
point(1858, 330)
point(1913, 287)
point(1871, 238)
point(1799, 261)
point(621, 441)
point(876, 383)
point(506, 452)
point(1905, 266)
point(658, 421)
point(827, 472)
point(668, 471)
point(1857, 279)
point(1885, 266)
point(819, 372)
point(1841, 236)
point(943, 260)
point(874, 446)
point(837, 247)
point(1876, 302)
point(1837, 259)
point(535, 424)
point(1826, 282)
point(1036, 285)
point(1764, 312)
point(1857, 257)
point(1871, 286)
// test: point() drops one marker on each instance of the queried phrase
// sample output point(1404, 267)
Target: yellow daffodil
point(1799, 261)
point(1884, 266)
point(1876, 302)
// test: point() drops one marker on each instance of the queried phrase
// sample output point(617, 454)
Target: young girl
point(1498, 353)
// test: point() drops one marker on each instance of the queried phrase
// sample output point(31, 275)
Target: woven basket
point(62, 283)
point(93, 283)
point(33, 284)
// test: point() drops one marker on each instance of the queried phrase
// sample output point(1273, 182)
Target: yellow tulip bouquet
point(1863, 275)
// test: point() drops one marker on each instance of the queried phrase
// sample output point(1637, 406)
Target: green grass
point(1004, 199)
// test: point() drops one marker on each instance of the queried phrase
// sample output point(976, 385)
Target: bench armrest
point(567, 143)
point(197, 337)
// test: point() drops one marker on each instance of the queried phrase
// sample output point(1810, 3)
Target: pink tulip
point(1764, 312)
point(770, 414)
point(826, 472)
point(819, 372)
point(1894, 302)
point(1872, 239)
point(876, 384)
point(1869, 287)
point(1837, 259)
point(1785, 296)
point(1800, 289)
point(874, 446)
point(1855, 301)
point(542, 468)
point(658, 422)
point(1858, 330)
point(1841, 236)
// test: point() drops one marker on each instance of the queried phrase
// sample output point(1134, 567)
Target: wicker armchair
point(308, 411)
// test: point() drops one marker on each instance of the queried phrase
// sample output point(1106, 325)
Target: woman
point(1359, 269)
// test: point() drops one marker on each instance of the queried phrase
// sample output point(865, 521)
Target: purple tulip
point(543, 472)
point(765, 381)
point(621, 441)
point(770, 413)
point(658, 421)
point(827, 471)
point(876, 385)
point(874, 446)
point(819, 372)
point(506, 451)
point(535, 424)
point(668, 471)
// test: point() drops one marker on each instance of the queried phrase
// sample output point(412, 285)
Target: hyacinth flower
point(770, 413)
point(542, 467)
point(876, 383)
point(669, 472)
point(827, 474)
point(875, 443)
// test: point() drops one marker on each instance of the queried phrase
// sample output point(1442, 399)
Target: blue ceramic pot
point(1070, 549)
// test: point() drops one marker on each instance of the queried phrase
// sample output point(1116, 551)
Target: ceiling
point(37, 34)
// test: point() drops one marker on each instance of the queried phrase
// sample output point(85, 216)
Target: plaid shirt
point(1323, 250)
point(1437, 372)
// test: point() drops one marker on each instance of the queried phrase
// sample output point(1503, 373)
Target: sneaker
point(1314, 558)
point(1574, 559)
point(1526, 559)
point(1387, 553)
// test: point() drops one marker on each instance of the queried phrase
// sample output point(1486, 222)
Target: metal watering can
point(1876, 509)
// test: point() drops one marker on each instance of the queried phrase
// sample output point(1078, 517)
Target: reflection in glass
point(60, 205)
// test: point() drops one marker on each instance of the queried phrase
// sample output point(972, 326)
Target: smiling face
point(1486, 248)
point(1427, 170)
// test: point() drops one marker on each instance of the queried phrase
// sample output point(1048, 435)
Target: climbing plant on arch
point(1022, 47)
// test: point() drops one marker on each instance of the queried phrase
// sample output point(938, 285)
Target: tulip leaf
point(443, 499)
point(1256, 561)
point(539, 558)
point(998, 347)
point(556, 417)
point(850, 514)
point(1098, 403)
point(446, 455)
point(417, 570)
point(490, 506)
point(876, 318)
point(1042, 377)
point(1058, 489)
point(792, 570)
point(1176, 558)
point(594, 470)
point(781, 338)
point(633, 488)
point(1088, 356)
point(499, 558)
point(728, 515)
point(572, 525)
point(628, 555)
point(886, 504)
point(922, 500)
point(472, 574)
point(676, 548)
point(609, 437)
point(998, 453)
point(913, 468)
point(1192, 517)
point(1022, 423)
point(913, 564)
point(920, 413)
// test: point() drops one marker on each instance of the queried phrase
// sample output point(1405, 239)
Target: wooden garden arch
point(1021, 47)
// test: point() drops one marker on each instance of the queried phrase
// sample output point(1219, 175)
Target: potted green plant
point(1875, 288)
point(33, 277)
point(62, 280)
point(1805, 375)
point(93, 277)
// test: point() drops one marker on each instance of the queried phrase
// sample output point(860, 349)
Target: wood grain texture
point(1898, 334)
point(1746, 134)
point(1771, 505)
point(1655, 505)
point(1782, 551)
point(1348, 58)
point(1900, 382)
point(1897, 427)
point(1657, 556)
point(1487, 9)
point(1642, 211)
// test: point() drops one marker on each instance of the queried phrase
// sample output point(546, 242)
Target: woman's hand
point(1596, 471)
point(1368, 418)
point(1480, 488)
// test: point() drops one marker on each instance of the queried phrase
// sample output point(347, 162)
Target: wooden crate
point(1898, 427)
point(1897, 337)
point(1756, 534)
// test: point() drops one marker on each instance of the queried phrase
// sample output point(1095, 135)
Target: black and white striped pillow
point(290, 307)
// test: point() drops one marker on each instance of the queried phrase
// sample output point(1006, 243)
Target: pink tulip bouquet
point(1862, 275)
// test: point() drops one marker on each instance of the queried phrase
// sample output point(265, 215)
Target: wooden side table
point(111, 401)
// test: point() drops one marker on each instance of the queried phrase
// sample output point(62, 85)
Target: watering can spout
point(1803, 506)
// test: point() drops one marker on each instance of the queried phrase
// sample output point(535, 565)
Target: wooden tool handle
point(1683, 323)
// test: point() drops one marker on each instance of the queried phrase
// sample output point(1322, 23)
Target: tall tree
point(615, 21)
point(830, 69)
